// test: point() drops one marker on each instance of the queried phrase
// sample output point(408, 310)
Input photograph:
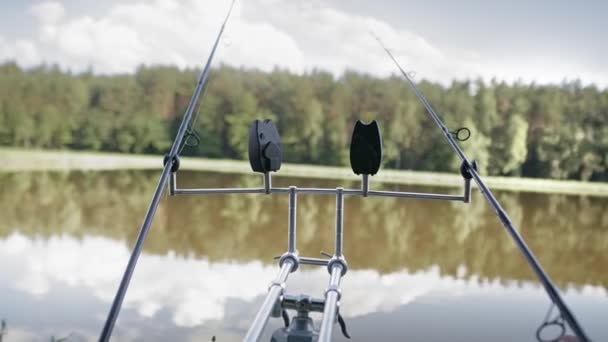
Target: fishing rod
point(470, 170)
point(171, 164)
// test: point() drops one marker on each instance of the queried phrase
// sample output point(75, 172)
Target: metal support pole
point(274, 292)
point(267, 183)
point(332, 296)
point(291, 233)
point(339, 221)
point(466, 198)
point(337, 268)
point(173, 183)
point(365, 184)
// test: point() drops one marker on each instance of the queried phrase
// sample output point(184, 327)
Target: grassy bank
point(14, 160)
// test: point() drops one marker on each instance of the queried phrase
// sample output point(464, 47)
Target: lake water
point(419, 270)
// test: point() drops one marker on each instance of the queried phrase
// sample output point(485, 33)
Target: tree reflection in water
point(567, 233)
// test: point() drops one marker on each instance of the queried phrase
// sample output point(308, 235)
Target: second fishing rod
point(171, 164)
point(470, 169)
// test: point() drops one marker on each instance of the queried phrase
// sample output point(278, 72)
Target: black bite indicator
point(366, 148)
point(265, 151)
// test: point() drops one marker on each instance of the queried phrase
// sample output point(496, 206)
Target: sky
point(531, 41)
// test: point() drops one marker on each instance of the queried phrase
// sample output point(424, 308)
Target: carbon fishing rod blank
point(171, 165)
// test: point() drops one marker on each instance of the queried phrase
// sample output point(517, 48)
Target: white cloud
point(262, 34)
point(49, 12)
point(24, 51)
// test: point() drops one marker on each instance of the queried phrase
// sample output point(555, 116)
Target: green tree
point(531, 130)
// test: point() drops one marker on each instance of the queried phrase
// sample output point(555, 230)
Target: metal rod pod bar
point(415, 195)
point(332, 296)
point(219, 191)
point(321, 191)
point(313, 261)
point(274, 292)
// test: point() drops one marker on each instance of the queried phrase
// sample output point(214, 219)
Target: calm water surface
point(419, 270)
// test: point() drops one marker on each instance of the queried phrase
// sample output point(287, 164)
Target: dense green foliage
point(552, 131)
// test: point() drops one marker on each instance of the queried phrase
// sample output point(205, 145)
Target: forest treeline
point(550, 131)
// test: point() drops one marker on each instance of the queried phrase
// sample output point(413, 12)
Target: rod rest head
point(265, 151)
point(464, 169)
point(174, 161)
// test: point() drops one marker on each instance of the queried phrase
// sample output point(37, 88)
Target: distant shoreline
point(15, 160)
